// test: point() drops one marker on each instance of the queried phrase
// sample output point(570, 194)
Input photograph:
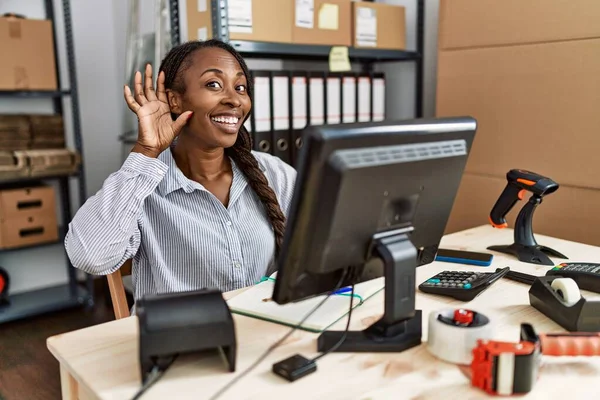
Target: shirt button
point(228, 223)
point(237, 264)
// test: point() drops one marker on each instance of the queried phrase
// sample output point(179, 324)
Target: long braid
point(178, 60)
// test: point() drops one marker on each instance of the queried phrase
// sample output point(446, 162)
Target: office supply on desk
point(453, 334)
point(560, 300)
point(524, 247)
point(507, 368)
point(464, 257)
point(335, 229)
point(585, 275)
point(176, 323)
point(256, 302)
point(461, 285)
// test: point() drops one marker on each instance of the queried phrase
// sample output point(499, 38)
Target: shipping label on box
point(366, 27)
point(240, 16)
point(305, 11)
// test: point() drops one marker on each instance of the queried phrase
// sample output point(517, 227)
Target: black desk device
point(585, 275)
point(177, 323)
point(461, 285)
point(583, 316)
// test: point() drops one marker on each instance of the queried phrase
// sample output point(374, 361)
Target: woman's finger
point(148, 88)
point(139, 95)
point(160, 87)
point(131, 103)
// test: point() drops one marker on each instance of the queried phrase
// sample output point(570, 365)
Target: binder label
point(366, 27)
point(305, 13)
point(240, 16)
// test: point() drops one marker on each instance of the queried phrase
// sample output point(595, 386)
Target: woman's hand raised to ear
point(156, 129)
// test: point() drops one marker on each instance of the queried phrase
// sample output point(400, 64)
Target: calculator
point(585, 275)
point(461, 285)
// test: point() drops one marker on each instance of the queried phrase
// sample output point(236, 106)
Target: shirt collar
point(174, 179)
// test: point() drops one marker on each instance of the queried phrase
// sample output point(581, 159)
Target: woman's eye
point(213, 84)
point(241, 88)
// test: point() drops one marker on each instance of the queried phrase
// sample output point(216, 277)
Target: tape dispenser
point(560, 300)
point(453, 334)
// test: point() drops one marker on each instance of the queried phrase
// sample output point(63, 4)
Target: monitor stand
point(400, 327)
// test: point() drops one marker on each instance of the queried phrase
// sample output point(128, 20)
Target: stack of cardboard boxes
point(528, 72)
point(27, 217)
point(30, 145)
point(319, 22)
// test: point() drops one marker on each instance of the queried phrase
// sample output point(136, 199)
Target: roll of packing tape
point(453, 334)
point(567, 289)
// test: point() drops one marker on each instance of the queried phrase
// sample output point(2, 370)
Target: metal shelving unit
point(265, 50)
point(70, 294)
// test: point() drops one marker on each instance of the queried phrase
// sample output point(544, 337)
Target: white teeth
point(226, 120)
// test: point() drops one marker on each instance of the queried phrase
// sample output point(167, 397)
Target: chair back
point(117, 290)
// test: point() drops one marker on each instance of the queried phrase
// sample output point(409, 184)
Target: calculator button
point(467, 286)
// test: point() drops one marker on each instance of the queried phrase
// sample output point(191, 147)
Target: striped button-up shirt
point(180, 236)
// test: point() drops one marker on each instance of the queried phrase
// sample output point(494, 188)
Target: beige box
point(570, 213)
point(22, 202)
point(28, 231)
point(264, 21)
point(378, 25)
point(27, 59)
point(536, 107)
point(328, 24)
point(477, 23)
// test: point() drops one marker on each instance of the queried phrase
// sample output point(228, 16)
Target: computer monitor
point(371, 199)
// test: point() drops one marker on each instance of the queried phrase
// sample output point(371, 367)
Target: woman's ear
point(174, 100)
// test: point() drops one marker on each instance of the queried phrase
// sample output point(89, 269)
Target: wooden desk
point(101, 362)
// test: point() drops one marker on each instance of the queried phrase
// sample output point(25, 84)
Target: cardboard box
point(27, 231)
point(536, 106)
point(27, 59)
point(476, 23)
point(254, 20)
point(570, 213)
point(19, 203)
point(322, 22)
point(12, 166)
point(27, 216)
point(378, 25)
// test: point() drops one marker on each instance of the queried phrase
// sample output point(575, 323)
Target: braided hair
point(175, 63)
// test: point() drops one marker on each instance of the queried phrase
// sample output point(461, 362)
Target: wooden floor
point(27, 369)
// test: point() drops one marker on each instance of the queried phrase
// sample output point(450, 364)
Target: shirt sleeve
point(104, 232)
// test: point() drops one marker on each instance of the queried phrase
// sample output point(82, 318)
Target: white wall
point(100, 28)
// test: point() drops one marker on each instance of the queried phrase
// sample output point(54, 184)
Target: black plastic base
point(177, 323)
point(583, 316)
point(400, 337)
point(530, 254)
